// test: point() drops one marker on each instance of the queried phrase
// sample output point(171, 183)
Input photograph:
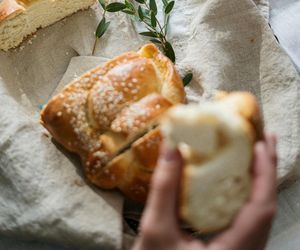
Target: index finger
point(264, 171)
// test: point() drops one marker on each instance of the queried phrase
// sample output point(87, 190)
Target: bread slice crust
point(21, 18)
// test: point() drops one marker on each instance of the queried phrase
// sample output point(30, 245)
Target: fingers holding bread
point(216, 140)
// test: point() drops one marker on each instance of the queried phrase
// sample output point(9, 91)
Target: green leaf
point(166, 25)
point(155, 41)
point(128, 11)
point(146, 13)
point(129, 5)
point(165, 2)
point(169, 7)
point(140, 12)
point(102, 27)
point(153, 6)
point(115, 7)
point(169, 52)
point(148, 33)
point(102, 2)
point(140, 1)
point(187, 79)
point(153, 20)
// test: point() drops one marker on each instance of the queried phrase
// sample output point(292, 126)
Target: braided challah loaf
point(216, 140)
point(109, 117)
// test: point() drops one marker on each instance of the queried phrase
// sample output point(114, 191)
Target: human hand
point(160, 229)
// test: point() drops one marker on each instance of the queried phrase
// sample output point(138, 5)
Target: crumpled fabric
point(228, 45)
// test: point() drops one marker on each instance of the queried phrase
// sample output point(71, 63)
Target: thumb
point(161, 208)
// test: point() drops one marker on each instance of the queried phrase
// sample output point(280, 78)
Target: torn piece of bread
point(216, 140)
point(20, 18)
point(109, 117)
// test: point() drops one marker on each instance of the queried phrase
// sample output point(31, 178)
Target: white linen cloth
point(285, 21)
point(227, 44)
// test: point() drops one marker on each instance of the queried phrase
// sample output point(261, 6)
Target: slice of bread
point(20, 18)
point(216, 140)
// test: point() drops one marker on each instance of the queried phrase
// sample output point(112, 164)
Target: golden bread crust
point(247, 106)
point(131, 171)
point(10, 9)
point(105, 111)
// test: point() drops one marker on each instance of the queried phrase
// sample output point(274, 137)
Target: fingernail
point(260, 146)
point(169, 155)
point(274, 138)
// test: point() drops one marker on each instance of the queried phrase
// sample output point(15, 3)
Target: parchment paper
point(227, 44)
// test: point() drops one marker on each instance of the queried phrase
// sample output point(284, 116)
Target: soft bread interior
point(33, 15)
point(179, 130)
point(216, 144)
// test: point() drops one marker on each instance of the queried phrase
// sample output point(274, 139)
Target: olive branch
point(144, 11)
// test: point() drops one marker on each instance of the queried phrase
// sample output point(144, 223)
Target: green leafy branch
point(144, 11)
